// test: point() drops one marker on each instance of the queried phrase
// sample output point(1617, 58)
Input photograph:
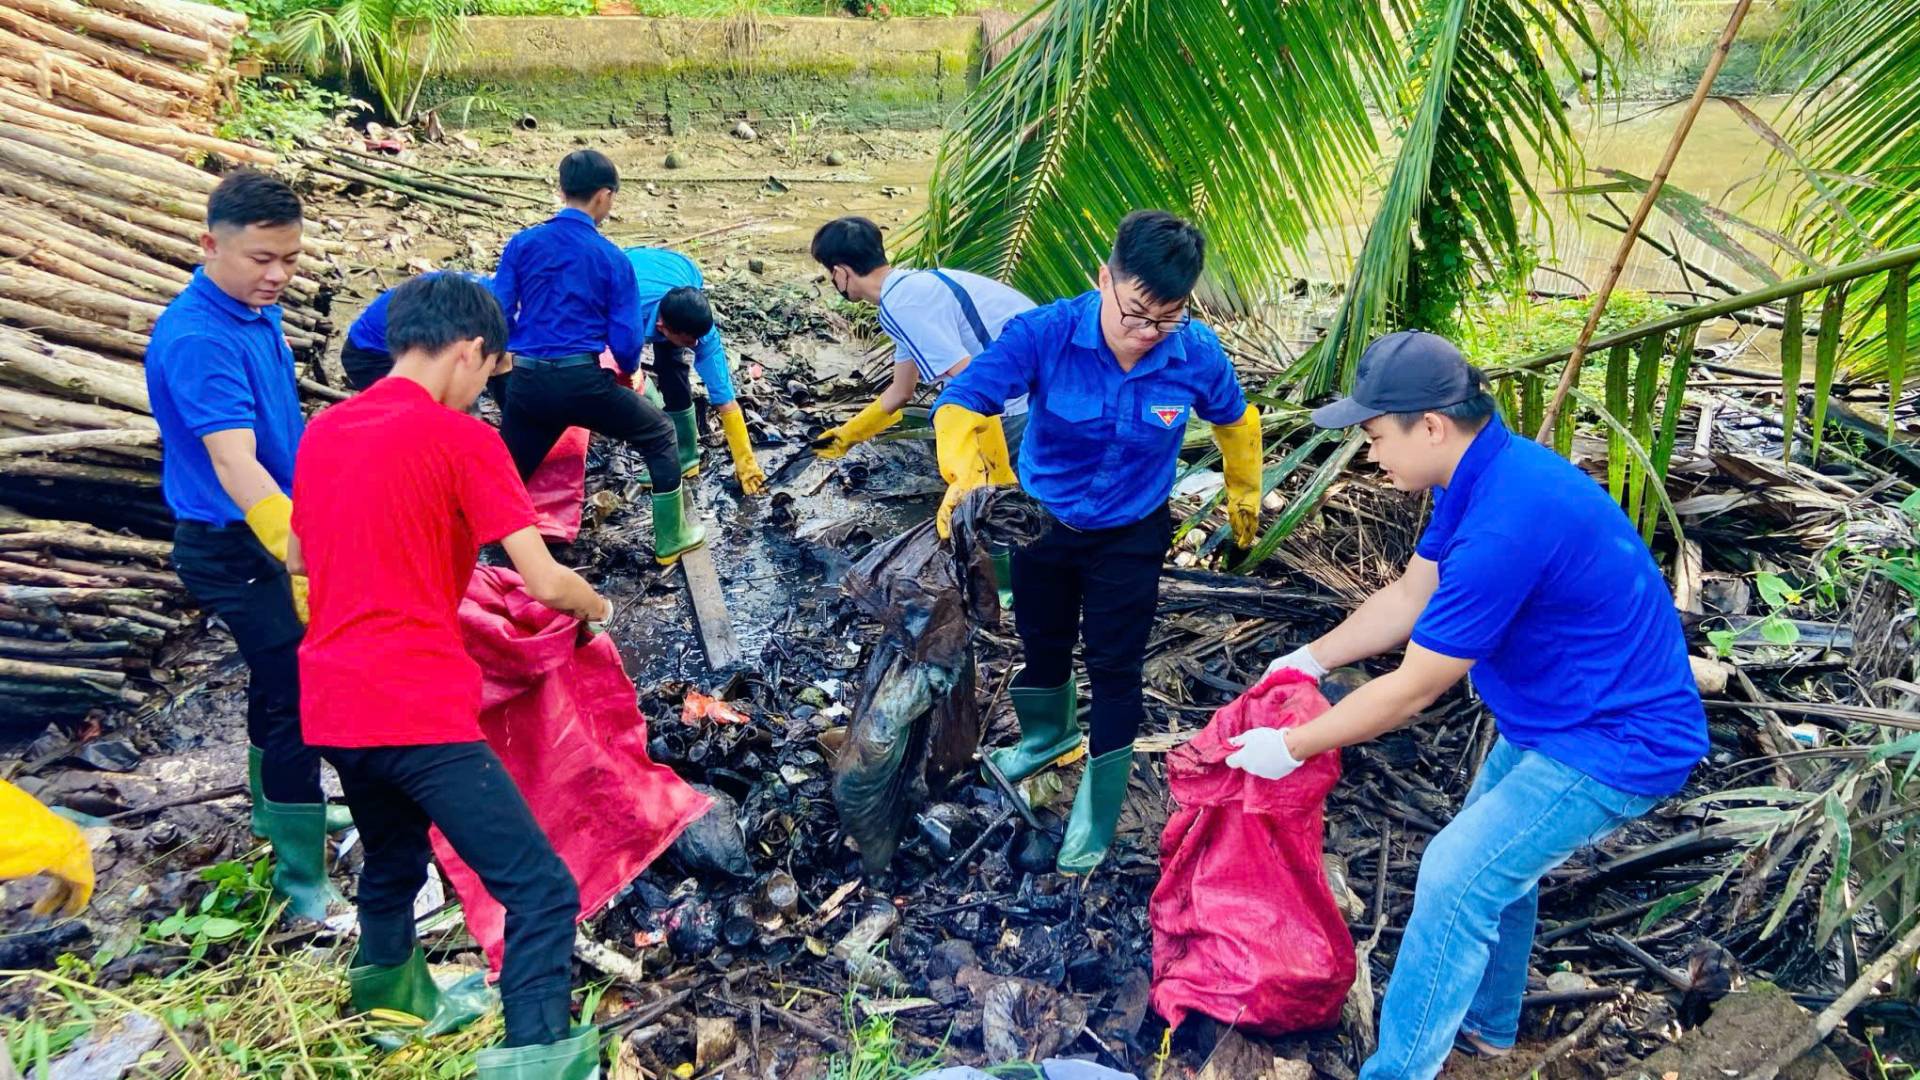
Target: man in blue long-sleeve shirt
point(673, 305)
point(569, 293)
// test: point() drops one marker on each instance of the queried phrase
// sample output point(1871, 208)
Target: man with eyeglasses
point(1112, 375)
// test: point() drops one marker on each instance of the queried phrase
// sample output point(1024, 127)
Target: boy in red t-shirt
point(395, 492)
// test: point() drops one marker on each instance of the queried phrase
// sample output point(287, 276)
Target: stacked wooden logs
point(108, 113)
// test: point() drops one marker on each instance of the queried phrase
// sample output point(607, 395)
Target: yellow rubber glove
point(35, 840)
point(872, 420)
point(752, 480)
point(1240, 460)
point(993, 443)
point(271, 520)
point(960, 437)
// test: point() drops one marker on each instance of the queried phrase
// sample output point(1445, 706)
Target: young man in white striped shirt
point(938, 319)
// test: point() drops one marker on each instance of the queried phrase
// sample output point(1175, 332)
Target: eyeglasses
point(1162, 326)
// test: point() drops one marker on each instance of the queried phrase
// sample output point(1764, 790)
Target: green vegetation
point(280, 112)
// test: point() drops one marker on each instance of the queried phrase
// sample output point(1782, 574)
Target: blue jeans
point(1463, 958)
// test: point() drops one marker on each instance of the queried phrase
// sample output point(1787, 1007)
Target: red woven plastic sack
point(564, 719)
point(1245, 929)
point(558, 487)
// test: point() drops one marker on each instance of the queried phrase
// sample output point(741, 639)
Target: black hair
point(1161, 252)
point(1471, 415)
point(853, 242)
point(685, 311)
point(436, 310)
point(251, 197)
point(584, 172)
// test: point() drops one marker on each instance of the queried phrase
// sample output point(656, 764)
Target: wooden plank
point(710, 610)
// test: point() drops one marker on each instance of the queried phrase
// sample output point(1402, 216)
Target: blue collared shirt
point(369, 331)
point(1546, 585)
point(656, 271)
point(568, 291)
point(215, 364)
point(1102, 444)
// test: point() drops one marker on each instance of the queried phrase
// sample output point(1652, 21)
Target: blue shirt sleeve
point(710, 360)
point(625, 334)
point(506, 284)
point(1485, 579)
point(1003, 370)
point(1221, 401)
point(208, 380)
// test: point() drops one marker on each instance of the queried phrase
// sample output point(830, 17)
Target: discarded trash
point(917, 726)
point(1020, 1019)
point(107, 1052)
point(1245, 929)
point(713, 843)
point(861, 950)
point(108, 755)
point(698, 706)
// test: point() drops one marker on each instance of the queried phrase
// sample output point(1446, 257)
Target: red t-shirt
point(393, 495)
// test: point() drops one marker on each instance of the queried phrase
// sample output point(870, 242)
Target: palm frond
point(1482, 102)
point(1249, 118)
point(1861, 120)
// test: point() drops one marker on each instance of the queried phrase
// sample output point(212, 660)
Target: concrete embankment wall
point(671, 73)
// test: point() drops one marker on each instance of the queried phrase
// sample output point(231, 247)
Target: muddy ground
point(971, 901)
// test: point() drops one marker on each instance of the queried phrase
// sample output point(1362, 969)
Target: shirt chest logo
point(1168, 415)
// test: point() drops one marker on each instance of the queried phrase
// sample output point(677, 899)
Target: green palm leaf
point(1861, 121)
point(1483, 96)
point(1248, 117)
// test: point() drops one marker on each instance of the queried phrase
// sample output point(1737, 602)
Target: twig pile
point(107, 113)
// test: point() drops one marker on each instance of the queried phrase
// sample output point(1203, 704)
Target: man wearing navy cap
point(1530, 576)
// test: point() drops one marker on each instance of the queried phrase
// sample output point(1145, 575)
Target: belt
point(543, 363)
point(203, 527)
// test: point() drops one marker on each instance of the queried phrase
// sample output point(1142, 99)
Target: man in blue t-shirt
point(678, 321)
point(365, 357)
point(221, 380)
point(1530, 576)
point(1113, 375)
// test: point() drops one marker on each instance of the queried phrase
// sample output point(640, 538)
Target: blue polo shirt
point(369, 331)
point(215, 364)
point(1546, 585)
point(656, 271)
point(1102, 444)
point(569, 291)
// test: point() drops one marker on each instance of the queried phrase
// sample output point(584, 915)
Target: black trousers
point(364, 367)
point(232, 576)
point(673, 370)
point(395, 793)
point(542, 401)
point(1100, 587)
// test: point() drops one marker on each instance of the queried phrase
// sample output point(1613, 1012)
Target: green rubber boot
point(651, 391)
point(1049, 729)
point(1003, 577)
point(675, 532)
point(1096, 811)
point(688, 438)
point(338, 817)
point(298, 833)
point(576, 1057)
point(407, 988)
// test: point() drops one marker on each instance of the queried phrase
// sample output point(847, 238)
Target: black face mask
point(836, 287)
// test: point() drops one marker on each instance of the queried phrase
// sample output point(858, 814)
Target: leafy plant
point(1775, 627)
point(393, 45)
point(281, 112)
point(238, 906)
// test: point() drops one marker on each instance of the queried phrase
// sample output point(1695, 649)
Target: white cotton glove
point(1301, 660)
point(1263, 752)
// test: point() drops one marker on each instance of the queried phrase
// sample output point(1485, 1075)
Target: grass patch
point(255, 1013)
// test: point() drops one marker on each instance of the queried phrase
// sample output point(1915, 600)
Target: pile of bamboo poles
point(108, 111)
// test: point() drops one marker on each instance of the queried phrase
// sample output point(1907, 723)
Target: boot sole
point(669, 560)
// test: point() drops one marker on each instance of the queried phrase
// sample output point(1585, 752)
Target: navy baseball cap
point(1410, 371)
